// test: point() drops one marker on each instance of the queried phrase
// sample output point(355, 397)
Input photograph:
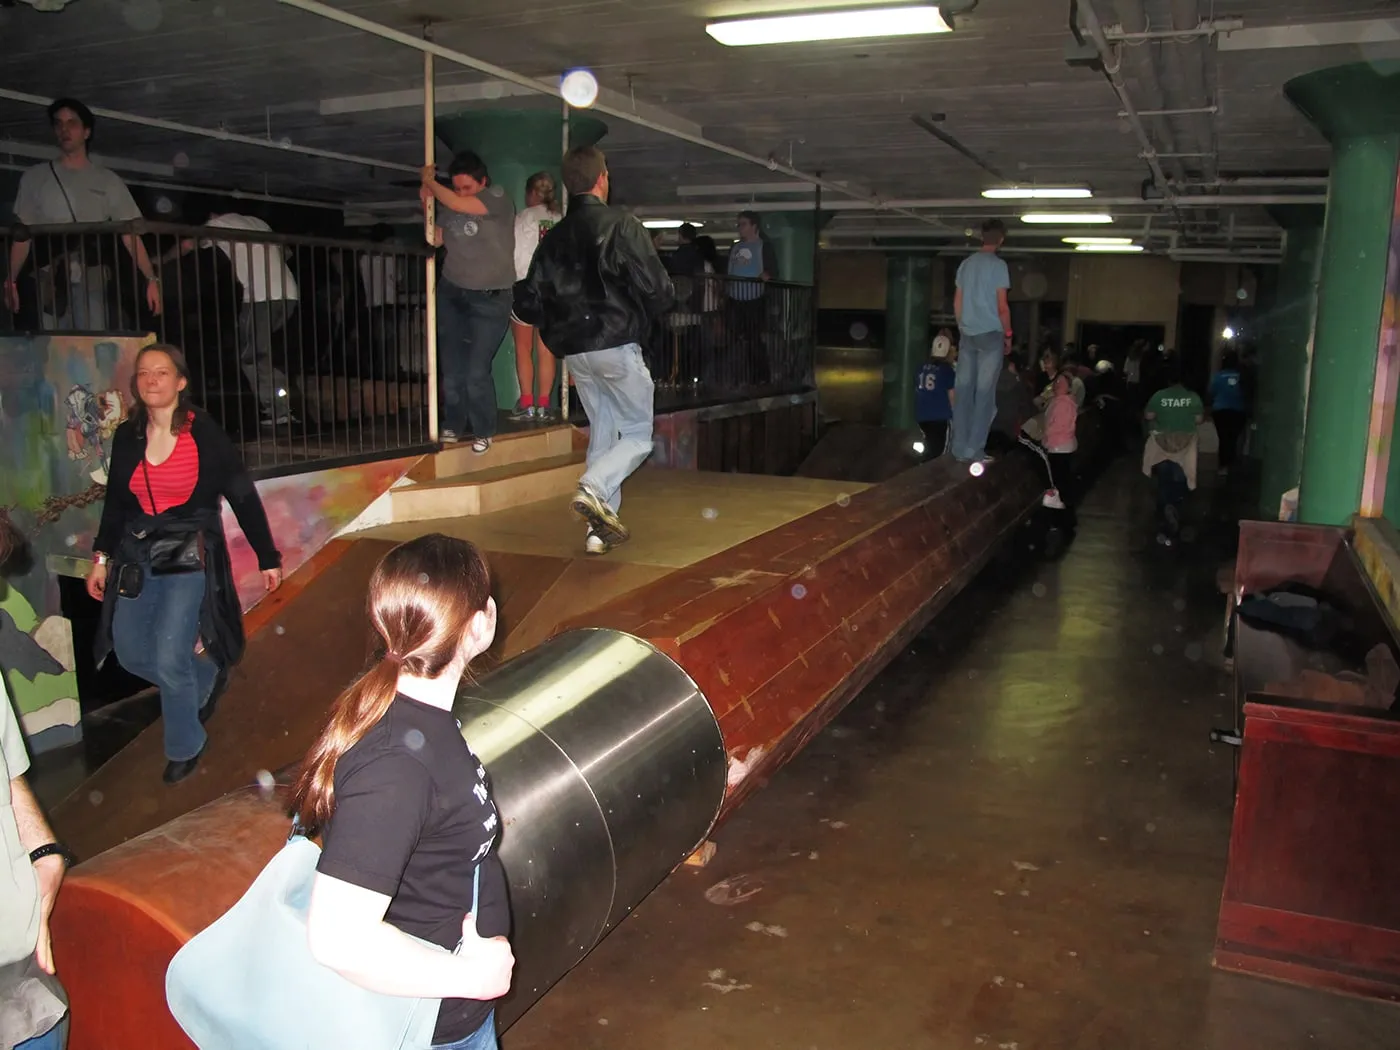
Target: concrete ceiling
point(842, 109)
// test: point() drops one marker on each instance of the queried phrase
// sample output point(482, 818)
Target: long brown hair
point(422, 597)
point(184, 407)
point(543, 182)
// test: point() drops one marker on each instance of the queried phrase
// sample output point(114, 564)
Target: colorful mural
point(61, 399)
point(306, 511)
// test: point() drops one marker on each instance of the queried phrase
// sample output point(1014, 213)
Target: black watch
point(53, 849)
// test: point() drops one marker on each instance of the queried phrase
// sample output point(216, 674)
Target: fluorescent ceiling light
point(830, 25)
point(1021, 193)
point(1097, 240)
point(666, 224)
point(1108, 248)
point(1068, 218)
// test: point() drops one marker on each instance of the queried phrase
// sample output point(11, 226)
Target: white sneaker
point(1052, 500)
point(595, 544)
point(481, 446)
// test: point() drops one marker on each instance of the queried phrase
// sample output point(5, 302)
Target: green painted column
point(794, 238)
point(1282, 394)
point(515, 144)
point(908, 298)
point(1358, 108)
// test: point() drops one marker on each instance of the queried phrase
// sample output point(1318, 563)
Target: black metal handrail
point(306, 349)
point(732, 337)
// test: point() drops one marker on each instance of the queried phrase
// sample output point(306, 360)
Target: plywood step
point(488, 490)
point(506, 450)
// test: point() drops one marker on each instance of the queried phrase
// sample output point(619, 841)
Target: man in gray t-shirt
point(476, 224)
point(73, 189)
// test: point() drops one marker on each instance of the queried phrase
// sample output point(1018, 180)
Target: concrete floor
point(1014, 838)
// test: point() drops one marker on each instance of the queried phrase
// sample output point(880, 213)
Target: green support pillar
point(794, 238)
point(515, 144)
point(908, 298)
point(1282, 393)
point(1358, 108)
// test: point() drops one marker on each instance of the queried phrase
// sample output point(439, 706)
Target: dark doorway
point(1113, 340)
point(1194, 338)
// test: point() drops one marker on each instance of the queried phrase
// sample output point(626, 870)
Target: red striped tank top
point(173, 481)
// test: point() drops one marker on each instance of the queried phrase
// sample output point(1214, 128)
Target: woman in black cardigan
point(170, 465)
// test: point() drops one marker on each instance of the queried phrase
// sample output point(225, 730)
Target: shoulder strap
point(63, 190)
point(146, 473)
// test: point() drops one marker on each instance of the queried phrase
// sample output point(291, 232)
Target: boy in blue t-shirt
point(933, 397)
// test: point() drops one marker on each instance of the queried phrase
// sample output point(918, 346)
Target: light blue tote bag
point(249, 982)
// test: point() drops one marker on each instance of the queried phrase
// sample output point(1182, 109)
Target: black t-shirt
point(413, 818)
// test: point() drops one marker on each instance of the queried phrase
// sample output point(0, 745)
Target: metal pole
point(564, 361)
point(816, 281)
point(430, 234)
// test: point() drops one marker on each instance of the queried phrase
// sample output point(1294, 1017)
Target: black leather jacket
point(596, 281)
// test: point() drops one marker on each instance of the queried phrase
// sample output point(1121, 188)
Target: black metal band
point(53, 849)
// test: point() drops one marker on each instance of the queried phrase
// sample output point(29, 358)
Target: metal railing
point(729, 338)
point(306, 350)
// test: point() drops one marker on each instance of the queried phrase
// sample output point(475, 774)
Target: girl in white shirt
point(542, 210)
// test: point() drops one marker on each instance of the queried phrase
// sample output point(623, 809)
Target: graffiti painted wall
point(61, 398)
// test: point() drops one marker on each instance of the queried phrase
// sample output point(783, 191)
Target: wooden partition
point(1312, 888)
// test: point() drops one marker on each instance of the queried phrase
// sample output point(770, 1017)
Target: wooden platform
point(781, 598)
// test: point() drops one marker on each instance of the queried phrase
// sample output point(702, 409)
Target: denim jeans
point(617, 394)
point(1171, 490)
point(53, 1040)
point(471, 327)
point(975, 393)
point(257, 324)
point(484, 1038)
point(154, 635)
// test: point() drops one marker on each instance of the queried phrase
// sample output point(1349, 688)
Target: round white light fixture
point(1228, 333)
point(579, 88)
point(919, 447)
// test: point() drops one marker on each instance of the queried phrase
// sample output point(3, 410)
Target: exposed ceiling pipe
point(1258, 181)
point(500, 73)
point(209, 191)
point(1113, 74)
point(47, 152)
point(1189, 60)
point(903, 206)
point(216, 133)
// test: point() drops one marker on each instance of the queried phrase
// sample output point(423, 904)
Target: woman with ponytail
point(404, 808)
point(542, 210)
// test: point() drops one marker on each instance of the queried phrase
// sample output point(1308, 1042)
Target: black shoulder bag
point(173, 551)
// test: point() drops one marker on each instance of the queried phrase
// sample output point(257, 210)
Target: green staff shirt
point(1176, 410)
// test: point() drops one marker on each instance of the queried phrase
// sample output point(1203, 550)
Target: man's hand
point(12, 297)
point(272, 579)
point(428, 175)
point(1006, 344)
point(49, 872)
point(153, 298)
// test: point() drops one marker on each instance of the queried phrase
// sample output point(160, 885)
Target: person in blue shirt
point(984, 319)
point(933, 395)
point(1228, 409)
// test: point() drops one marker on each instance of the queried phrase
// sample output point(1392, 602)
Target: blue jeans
point(617, 394)
point(484, 1038)
point(53, 1040)
point(154, 635)
point(975, 401)
point(1171, 491)
point(471, 327)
